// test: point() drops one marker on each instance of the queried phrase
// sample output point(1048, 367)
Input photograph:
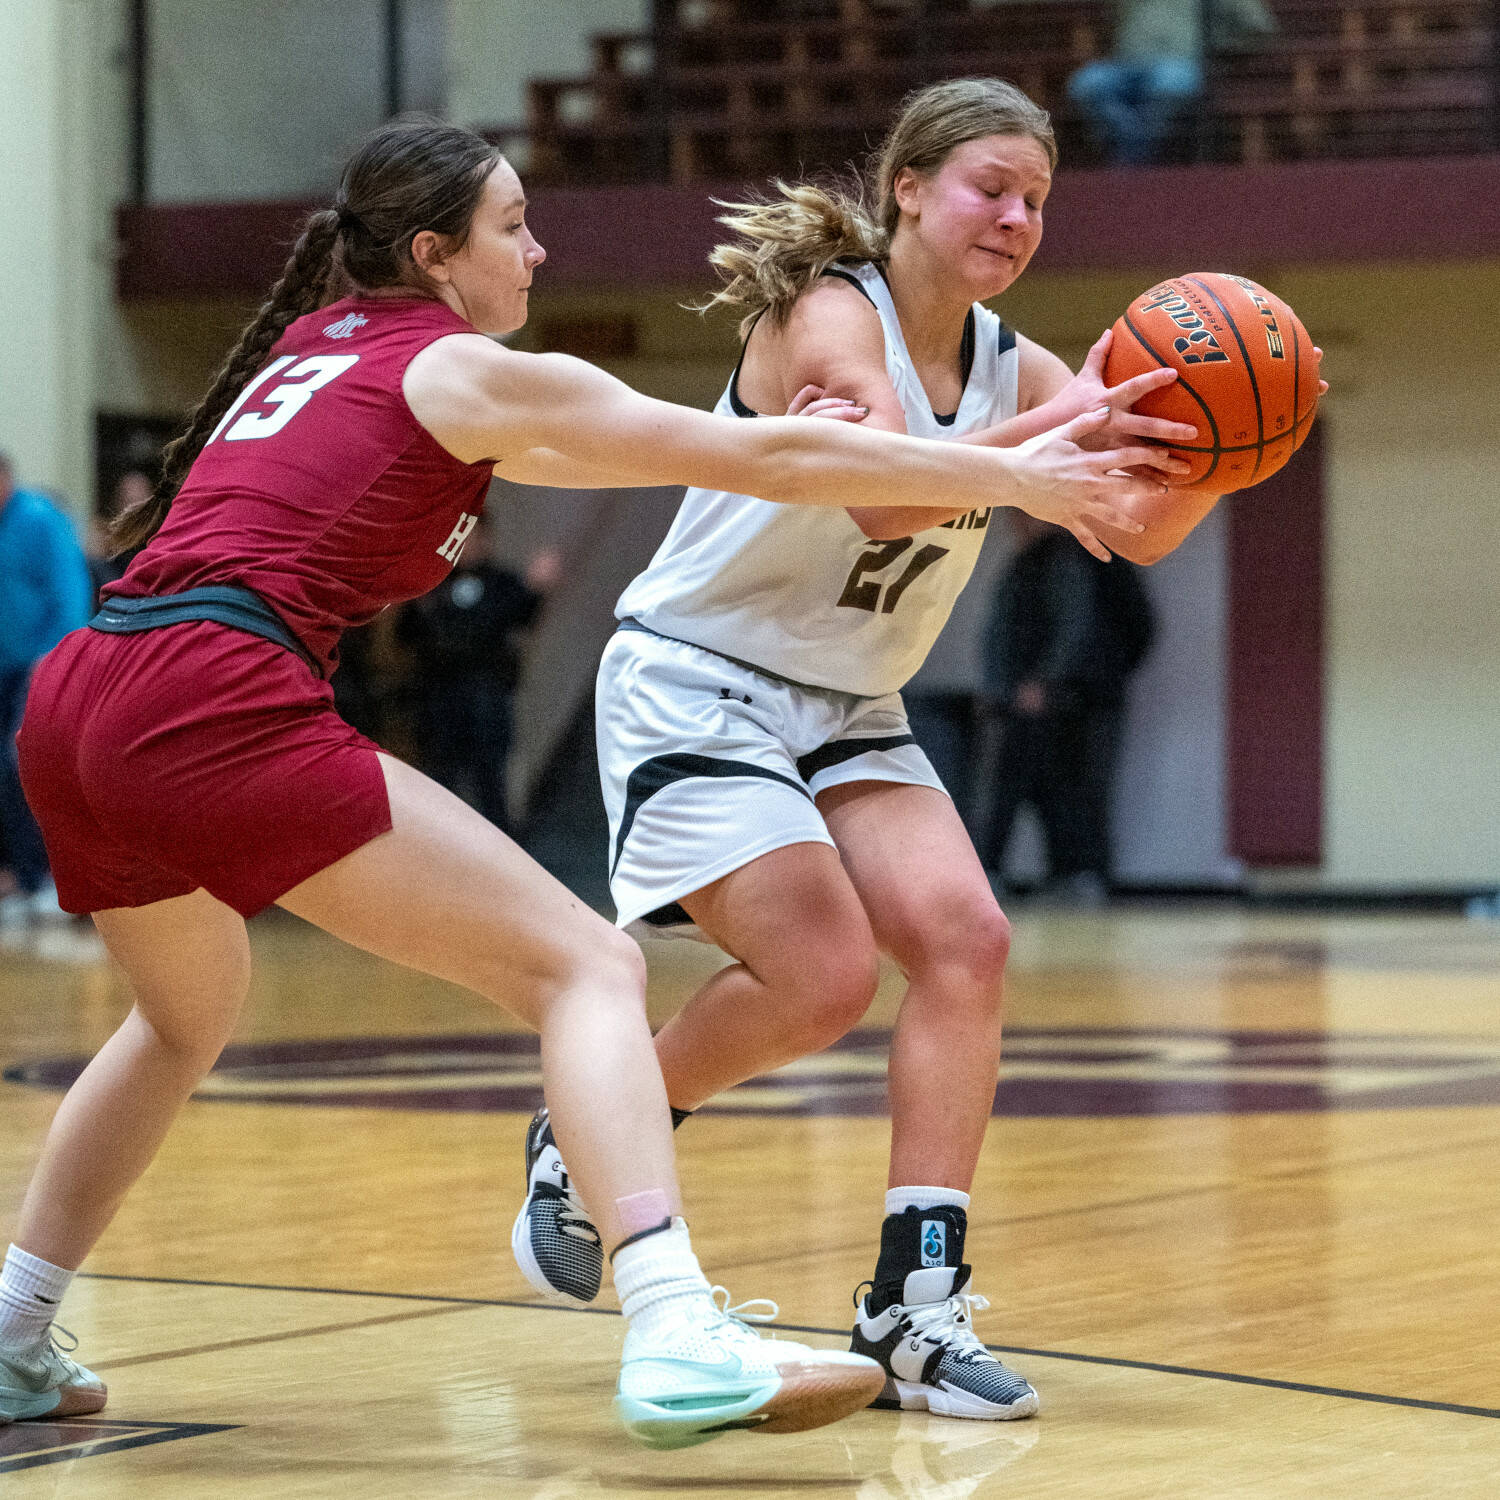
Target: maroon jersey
point(319, 489)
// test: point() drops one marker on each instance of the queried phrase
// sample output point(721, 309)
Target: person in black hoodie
point(1065, 633)
point(466, 636)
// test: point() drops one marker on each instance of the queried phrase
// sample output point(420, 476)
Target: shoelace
point(70, 1347)
point(950, 1322)
point(573, 1217)
point(61, 1351)
point(50, 1352)
point(756, 1310)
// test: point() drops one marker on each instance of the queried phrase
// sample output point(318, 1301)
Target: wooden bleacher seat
point(727, 89)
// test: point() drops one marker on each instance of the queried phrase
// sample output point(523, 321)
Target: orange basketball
point(1247, 378)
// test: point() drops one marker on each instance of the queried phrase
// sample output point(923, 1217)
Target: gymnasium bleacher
point(721, 89)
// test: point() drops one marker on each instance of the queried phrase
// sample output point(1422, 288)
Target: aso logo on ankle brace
point(934, 1242)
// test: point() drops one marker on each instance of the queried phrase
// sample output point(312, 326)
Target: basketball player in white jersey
point(763, 787)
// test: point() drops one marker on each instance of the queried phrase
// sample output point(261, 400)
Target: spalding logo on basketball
point(1247, 377)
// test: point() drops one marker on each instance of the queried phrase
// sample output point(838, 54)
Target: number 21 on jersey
point(864, 589)
point(288, 397)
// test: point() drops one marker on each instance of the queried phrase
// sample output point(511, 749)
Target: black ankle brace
point(914, 1239)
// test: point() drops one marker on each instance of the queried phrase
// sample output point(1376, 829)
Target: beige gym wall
point(54, 246)
point(494, 46)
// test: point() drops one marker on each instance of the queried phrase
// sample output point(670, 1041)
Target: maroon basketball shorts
point(191, 756)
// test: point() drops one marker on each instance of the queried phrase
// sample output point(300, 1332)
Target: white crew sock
point(657, 1278)
point(30, 1290)
point(899, 1199)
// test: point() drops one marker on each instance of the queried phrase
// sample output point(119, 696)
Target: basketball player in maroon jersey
point(187, 767)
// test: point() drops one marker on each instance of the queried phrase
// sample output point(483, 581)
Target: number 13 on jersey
point(288, 397)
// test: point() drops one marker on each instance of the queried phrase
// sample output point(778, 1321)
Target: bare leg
point(189, 963)
point(806, 972)
point(447, 893)
point(909, 857)
point(444, 892)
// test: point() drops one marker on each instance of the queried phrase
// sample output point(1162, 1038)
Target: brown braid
point(300, 289)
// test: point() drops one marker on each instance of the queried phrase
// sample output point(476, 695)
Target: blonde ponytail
point(786, 243)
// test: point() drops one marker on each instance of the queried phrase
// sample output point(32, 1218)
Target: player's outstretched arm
point(833, 338)
point(1051, 393)
point(484, 402)
point(545, 466)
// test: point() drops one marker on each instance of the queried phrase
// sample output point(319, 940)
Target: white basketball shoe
point(706, 1372)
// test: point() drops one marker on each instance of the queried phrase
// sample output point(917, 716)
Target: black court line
point(114, 1437)
point(325, 1291)
point(607, 1312)
point(1227, 1375)
point(438, 1309)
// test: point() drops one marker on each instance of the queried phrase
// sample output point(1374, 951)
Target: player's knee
point(189, 1016)
point(615, 963)
point(832, 993)
point(987, 945)
point(600, 962)
point(965, 949)
point(192, 1033)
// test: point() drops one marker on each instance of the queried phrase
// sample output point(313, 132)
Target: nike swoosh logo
point(36, 1383)
point(726, 1364)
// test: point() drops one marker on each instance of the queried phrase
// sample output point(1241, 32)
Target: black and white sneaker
point(554, 1241)
point(932, 1358)
point(919, 1326)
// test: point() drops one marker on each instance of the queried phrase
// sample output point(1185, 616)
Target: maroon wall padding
point(1176, 218)
point(203, 249)
point(1275, 675)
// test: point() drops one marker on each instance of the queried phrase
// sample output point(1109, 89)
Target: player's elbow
point(780, 477)
point(1143, 547)
point(1139, 552)
point(880, 524)
point(788, 470)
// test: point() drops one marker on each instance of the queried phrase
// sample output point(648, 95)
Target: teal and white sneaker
point(44, 1382)
point(710, 1373)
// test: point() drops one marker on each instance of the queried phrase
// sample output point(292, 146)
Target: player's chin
point(998, 269)
point(509, 320)
point(993, 274)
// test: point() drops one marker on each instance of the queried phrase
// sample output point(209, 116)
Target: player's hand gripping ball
point(1247, 375)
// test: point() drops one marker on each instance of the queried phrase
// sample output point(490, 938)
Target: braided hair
point(410, 175)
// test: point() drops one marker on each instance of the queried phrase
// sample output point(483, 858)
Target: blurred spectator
point(132, 488)
point(361, 692)
point(44, 593)
point(465, 636)
point(1065, 634)
point(1136, 95)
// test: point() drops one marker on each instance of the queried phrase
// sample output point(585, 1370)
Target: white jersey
point(800, 591)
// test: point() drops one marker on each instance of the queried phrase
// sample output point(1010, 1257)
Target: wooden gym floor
point(1238, 1219)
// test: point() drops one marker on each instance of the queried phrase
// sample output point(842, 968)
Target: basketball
point(1247, 376)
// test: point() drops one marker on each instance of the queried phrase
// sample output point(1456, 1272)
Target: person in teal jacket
point(45, 592)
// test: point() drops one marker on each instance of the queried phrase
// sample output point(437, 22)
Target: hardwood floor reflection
point(1237, 1216)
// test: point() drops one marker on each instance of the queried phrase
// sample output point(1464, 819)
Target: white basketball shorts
point(707, 764)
